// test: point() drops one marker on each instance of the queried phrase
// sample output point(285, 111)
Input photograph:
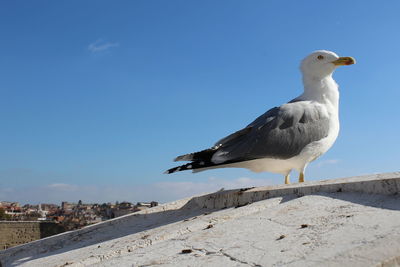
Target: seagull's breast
point(317, 148)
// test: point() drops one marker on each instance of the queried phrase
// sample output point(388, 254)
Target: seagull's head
point(322, 63)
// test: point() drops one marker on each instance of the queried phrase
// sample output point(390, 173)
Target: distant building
point(67, 206)
point(124, 208)
point(145, 205)
point(48, 207)
point(8, 203)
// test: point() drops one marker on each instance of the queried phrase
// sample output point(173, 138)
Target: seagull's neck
point(323, 90)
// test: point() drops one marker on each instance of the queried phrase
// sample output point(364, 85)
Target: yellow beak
point(342, 61)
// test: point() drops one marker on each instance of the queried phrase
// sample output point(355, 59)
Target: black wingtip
point(176, 169)
point(188, 167)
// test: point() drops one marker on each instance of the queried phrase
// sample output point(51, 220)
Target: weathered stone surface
point(385, 184)
point(344, 222)
point(14, 233)
point(17, 233)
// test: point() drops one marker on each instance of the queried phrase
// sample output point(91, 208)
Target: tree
point(3, 215)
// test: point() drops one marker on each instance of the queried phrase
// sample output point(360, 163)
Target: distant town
point(22, 224)
point(69, 215)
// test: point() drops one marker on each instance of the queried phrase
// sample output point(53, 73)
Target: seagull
point(286, 137)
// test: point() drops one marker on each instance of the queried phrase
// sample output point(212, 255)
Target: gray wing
point(281, 132)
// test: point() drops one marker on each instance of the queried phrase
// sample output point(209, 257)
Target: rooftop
point(351, 221)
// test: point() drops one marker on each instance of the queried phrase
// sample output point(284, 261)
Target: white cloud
point(62, 187)
point(101, 45)
point(328, 162)
point(161, 191)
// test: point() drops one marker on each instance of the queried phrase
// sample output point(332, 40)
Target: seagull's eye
point(320, 57)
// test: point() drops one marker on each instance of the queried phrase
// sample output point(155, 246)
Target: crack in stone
point(222, 253)
point(237, 260)
point(279, 223)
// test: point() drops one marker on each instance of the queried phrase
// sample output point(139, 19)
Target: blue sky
point(98, 97)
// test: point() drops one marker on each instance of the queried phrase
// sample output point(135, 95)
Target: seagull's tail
point(189, 166)
point(199, 160)
point(204, 155)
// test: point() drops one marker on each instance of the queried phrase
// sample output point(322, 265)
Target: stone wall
point(17, 233)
